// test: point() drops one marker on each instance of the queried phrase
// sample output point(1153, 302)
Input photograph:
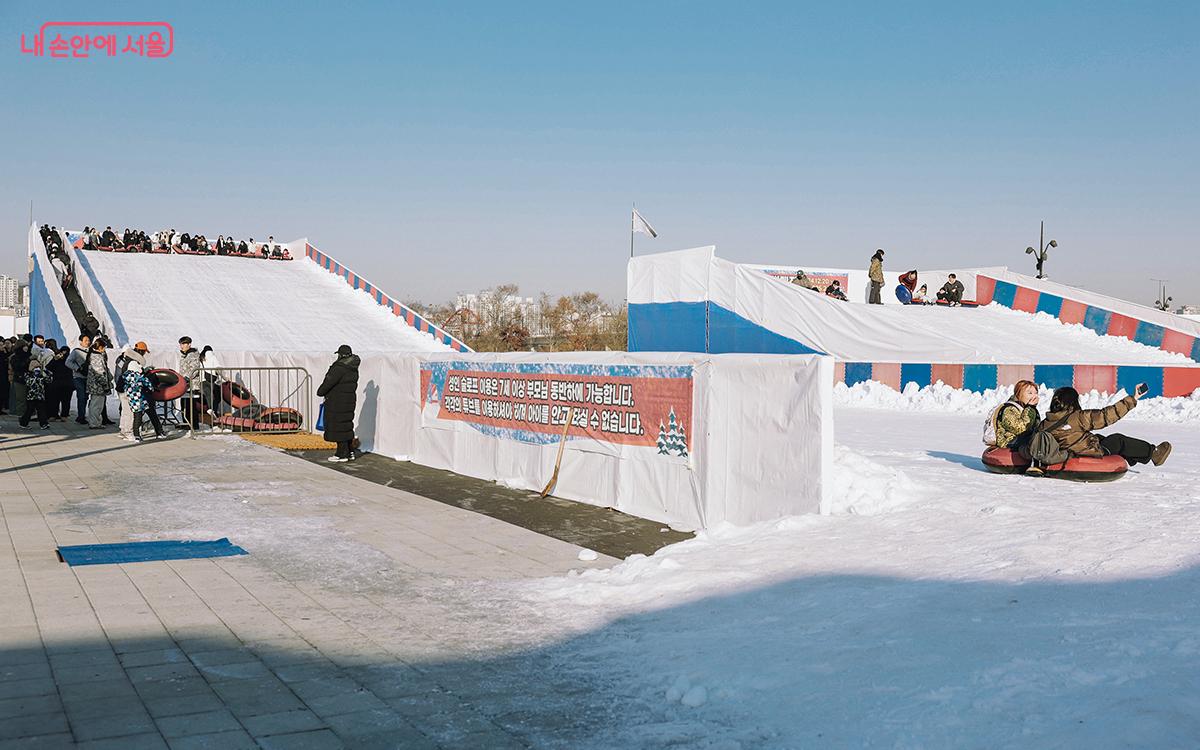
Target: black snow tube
point(167, 385)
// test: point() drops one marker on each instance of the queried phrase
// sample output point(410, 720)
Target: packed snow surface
point(962, 609)
point(243, 304)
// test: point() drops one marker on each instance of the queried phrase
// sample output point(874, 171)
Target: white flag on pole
point(641, 225)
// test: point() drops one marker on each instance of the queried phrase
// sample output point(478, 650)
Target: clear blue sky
point(440, 148)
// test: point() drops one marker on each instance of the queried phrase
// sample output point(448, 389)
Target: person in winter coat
point(875, 274)
point(1073, 428)
point(835, 290)
point(37, 394)
point(135, 399)
point(904, 290)
point(1017, 419)
point(802, 280)
point(99, 383)
point(952, 291)
point(921, 296)
point(4, 377)
point(190, 361)
point(62, 386)
point(340, 391)
point(18, 365)
point(77, 363)
point(91, 326)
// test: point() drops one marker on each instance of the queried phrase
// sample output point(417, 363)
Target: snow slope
point(747, 310)
point(239, 304)
point(971, 610)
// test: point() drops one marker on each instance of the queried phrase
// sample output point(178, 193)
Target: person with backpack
point(134, 388)
point(1074, 429)
point(134, 391)
point(1012, 424)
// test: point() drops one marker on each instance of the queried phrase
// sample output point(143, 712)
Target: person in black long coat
point(340, 391)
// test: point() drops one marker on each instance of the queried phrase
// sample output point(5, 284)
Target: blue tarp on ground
point(129, 552)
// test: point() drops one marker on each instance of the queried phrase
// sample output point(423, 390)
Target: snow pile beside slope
point(1121, 349)
point(862, 487)
point(944, 399)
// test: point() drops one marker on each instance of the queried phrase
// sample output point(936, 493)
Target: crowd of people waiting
point(39, 379)
point(167, 241)
point(907, 291)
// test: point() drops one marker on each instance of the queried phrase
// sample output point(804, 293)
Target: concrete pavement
point(362, 617)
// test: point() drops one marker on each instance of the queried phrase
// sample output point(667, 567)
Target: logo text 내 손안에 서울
point(83, 39)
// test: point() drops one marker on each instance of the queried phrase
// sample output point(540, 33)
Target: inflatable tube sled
point(1078, 469)
point(236, 395)
point(278, 418)
point(255, 418)
point(168, 384)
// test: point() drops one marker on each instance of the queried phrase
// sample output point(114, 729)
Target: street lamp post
point(1163, 302)
point(1042, 252)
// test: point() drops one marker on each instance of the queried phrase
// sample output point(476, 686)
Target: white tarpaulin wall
point(759, 430)
point(664, 290)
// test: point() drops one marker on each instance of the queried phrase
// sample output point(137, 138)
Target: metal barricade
point(250, 399)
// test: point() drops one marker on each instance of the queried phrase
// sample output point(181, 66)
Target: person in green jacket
point(1018, 418)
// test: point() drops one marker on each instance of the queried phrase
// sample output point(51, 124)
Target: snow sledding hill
point(240, 304)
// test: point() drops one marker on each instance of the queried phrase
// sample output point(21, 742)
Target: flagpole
point(631, 230)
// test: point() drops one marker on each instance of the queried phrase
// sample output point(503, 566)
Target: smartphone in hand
point(1141, 390)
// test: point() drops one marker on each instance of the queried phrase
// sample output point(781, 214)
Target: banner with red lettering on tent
point(629, 410)
point(821, 279)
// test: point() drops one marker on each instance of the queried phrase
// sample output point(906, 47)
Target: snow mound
point(862, 487)
point(942, 398)
point(1123, 350)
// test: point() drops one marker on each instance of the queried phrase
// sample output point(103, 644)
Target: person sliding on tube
point(1075, 435)
point(1014, 422)
point(340, 391)
point(835, 290)
point(951, 292)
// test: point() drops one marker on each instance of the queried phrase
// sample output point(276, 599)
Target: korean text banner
point(627, 408)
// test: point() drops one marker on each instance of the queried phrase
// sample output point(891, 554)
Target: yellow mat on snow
point(295, 441)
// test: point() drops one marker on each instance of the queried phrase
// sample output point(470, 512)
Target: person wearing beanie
point(875, 274)
point(340, 391)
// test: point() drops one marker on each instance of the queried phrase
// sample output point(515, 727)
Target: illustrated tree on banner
point(672, 440)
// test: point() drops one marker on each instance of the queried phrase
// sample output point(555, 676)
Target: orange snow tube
point(1077, 469)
